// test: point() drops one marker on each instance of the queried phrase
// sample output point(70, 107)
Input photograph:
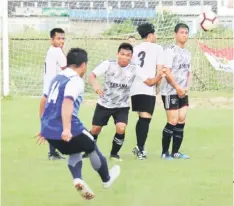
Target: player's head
point(132, 40)
point(57, 36)
point(77, 59)
point(124, 55)
point(147, 31)
point(181, 33)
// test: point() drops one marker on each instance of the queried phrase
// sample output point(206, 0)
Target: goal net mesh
point(99, 26)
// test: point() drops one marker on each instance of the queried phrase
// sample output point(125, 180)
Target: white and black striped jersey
point(117, 83)
point(179, 61)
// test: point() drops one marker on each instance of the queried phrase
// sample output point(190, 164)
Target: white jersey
point(55, 59)
point(117, 83)
point(179, 61)
point(147, 55)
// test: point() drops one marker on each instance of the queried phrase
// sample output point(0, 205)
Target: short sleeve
point(74, 88)
point(161, 56)
point(141, 74)
point(169, 56)
point(61, 58)
point(101, 68)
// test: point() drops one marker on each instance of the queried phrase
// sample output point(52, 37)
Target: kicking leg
point(99, 164)
point(95, 131)
point(75, 167)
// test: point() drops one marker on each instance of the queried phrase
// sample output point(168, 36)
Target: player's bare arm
point(188, 82)
point(171, 80)
point(157, 79)
point(67, 109)
point(42, 105)
point(95, 84)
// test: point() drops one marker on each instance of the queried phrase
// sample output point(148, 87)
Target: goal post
point(5, 48)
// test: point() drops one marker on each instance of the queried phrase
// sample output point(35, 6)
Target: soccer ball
point(208, 21)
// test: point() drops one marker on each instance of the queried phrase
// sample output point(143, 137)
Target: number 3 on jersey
point(141, 56)
point(54, 91)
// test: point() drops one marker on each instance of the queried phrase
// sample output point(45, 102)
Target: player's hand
point(66, 135)
point(99, 92)
point(161, 73)
point(166, 71)
point(180, 92)
point(40, 139)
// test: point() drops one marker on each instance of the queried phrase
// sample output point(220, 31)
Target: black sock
point(177, 137)
point(142, 128)
point(52, 150)
point(117, 143)
point(166, 139)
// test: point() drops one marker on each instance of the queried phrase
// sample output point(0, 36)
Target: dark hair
point(145, 29)
point(180, 25)
point(56, 30)
point(131, 37)
point(125, 46)
point(77, 56)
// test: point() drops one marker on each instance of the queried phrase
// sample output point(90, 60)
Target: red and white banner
point(220, 59)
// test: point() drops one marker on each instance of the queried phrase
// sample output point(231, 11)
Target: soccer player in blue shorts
point(61, 127)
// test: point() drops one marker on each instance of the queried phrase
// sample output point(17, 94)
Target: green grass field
point(29, 179)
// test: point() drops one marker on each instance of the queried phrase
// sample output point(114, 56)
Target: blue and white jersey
point(67, 84)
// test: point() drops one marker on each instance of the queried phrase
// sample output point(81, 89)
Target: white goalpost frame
point(5, 49)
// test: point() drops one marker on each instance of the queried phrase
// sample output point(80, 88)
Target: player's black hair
point(77, 56)
point(125, 46)
point(145, 29)
point(180, 25)
point(56, 30)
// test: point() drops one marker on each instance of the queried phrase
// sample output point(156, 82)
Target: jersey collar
point(71, 72)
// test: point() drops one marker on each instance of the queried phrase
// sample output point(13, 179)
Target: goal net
point(99, 26)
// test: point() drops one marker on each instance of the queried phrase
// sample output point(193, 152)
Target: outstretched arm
point(95, 84)
point(98, 71)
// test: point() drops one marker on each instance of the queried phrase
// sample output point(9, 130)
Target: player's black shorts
point(174, 101)
point(81, 143)
point(143, 103)
point(102, 115)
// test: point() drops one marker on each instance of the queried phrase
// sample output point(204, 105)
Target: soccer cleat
point(83, 189)
point(114, 174)
point(141, 156)
point(166, 156)
point(136, 150)
point(179, 155)
point(55, 156)
point(116, 158)
point(85, 155)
